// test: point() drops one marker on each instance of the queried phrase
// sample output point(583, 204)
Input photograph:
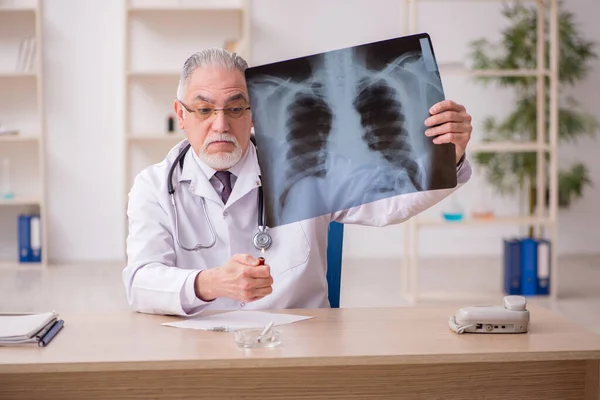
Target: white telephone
point(512, 318)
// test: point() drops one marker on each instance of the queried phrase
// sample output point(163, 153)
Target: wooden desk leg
point(592, 380)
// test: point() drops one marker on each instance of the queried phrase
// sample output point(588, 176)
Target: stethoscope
point(262, 239)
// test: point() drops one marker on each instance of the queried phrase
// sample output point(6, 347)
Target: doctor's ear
point(179, 111)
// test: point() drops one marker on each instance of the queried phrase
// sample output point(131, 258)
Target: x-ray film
point(346, 127)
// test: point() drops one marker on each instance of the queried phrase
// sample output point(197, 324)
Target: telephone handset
point(513, 317)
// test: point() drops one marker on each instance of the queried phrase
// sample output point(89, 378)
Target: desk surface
point(360, 336)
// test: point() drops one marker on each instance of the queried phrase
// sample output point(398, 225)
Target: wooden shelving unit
point(546, 217)
point(159, 36)
point(22, 109)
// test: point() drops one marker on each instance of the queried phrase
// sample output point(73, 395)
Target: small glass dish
point(250, 338)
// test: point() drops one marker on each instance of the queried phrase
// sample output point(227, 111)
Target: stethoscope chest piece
point(262, 240)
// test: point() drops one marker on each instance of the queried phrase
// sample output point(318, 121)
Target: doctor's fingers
point(245, 259)
point(458, 138)
point(256, 283)
point(260, 293)
point(256, 289)
point(260, 271)
point(460, 115)
point(459, 127)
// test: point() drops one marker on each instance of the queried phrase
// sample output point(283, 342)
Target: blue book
point(543, 267)
point(512, 266)
point(24, 227)
point(529, 267)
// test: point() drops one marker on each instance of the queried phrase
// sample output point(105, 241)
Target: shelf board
point(497, 220)
point(459, 296)
point(19, 138)
point(15, 264)
point(156, 137)
point(21, 201)
point(507, 147)
point(182, 8)
point(465, 296)
point(154, 74)
point(469, 1)
point(197, 5)
point(459, 69)
point(17, 74)
point(17, 8)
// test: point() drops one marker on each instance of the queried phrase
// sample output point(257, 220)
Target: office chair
point(335, 240)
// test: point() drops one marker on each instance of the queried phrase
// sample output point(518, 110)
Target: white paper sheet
point(232, 320)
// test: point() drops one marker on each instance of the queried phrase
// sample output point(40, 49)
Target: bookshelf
point(546, 217)
point(22, 113)
point(159, 37)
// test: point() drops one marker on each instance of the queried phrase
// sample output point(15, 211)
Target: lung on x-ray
point(344, 128)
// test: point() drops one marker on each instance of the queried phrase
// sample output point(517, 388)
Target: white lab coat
point(159, 275)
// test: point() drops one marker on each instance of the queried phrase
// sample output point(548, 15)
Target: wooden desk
point(392, 353)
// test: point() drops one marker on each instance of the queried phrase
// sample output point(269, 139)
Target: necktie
point(225, 178)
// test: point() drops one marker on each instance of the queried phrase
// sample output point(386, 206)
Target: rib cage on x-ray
point(308, 126)
point(346, 110)
point(383, 119)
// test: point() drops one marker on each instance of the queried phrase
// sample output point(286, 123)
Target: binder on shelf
point(526, 266)
point(36, 239)
point(543, 264)
point(29, 238)
point(512, 267)
point(24, 238)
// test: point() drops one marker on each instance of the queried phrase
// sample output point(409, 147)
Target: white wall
point(83, 69)
point(83, 84)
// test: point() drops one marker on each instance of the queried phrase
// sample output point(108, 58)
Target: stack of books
point(526, 266)
point(23, 329)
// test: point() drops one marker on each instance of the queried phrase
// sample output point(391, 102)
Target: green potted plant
point(509, 172)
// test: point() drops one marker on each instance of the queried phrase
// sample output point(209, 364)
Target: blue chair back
point(335, 241)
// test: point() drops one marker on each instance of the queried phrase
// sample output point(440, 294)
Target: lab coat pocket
point(290, 248)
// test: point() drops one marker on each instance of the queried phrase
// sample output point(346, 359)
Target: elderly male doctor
point(221, 172)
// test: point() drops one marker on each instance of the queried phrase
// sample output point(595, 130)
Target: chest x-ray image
point(346, 127)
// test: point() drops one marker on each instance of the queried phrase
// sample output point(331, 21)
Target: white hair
point(211, 57)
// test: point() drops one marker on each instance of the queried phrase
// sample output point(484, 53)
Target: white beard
point(223, 160)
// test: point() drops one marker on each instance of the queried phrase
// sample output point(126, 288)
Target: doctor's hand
point(240, 278)
point(451, 123)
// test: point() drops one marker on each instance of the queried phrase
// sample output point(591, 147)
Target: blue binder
point(24, 237)
point(529, 267)
point(29, 238)
point(512, 266)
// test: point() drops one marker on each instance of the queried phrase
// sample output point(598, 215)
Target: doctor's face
point(219, 137)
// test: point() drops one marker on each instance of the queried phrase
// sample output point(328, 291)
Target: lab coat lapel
point(249, 178)
point(199, 183)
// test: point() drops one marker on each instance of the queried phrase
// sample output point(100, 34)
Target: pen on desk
point(57, 326)
point(45, 330)
point(219, 329)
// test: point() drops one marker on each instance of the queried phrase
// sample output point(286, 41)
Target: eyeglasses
point(204, 112)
